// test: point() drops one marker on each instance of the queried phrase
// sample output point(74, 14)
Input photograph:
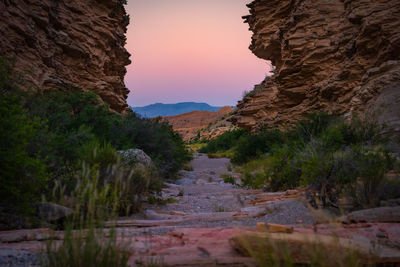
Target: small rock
point(380, 234)
point(179, 213)
point(52, 212)
point(152, 215)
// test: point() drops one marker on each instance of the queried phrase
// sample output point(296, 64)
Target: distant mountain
point(159, 109)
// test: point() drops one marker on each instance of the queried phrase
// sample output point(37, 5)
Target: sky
point(190, 51)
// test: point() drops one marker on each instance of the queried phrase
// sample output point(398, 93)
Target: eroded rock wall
point(339, 56)
point(59, 44)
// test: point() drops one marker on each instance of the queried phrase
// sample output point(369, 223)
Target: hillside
point(160, 109)
point(209, 124)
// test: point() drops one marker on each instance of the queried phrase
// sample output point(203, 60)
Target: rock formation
point(61, 44)
point(201, 124)
point(337, 56)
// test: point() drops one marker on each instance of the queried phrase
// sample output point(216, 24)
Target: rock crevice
point(61, 44)
point(337, 56)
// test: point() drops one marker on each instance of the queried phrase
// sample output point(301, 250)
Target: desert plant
point(181, 192)
point(86, 248)
point(85, 242)
point(229, 179)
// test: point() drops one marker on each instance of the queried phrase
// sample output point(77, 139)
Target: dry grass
point(224, 154)
point(301, 250)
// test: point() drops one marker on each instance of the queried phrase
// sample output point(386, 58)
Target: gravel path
point(205, 195)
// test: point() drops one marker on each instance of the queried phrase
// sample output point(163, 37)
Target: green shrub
point(282, 170)
point(252, 146)
point(323, 152)
point(46, 137)
point(94, 154)
point(86, 242)
point(229, 179)
point(371, 185)
point(69, 112)
point(224, 142)
point(23, 174)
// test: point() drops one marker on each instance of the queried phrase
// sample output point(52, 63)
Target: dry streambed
point(205, 225)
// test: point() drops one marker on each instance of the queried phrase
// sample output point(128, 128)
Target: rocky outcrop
point(59, 44)
point(337, 56)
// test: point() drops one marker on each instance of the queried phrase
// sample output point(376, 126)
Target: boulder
point(52, 212)
point(382, 214)
point(134, 156)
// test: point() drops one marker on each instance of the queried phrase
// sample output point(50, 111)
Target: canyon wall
point(62, 44)
point(338, 56)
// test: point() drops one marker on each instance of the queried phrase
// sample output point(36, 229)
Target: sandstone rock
point(382, 214)
point(274, 228)
point(255, 211)
point(334, 56)
point(25, 235)
point(135, 156)
point(152, 215)
point(52, 212)
point(68, 44)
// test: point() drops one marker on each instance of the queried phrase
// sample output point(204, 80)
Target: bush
point(252, 146)
point(223, 142)
point(45, 139)
point(85, 242)
point(325, 153)
point(23, 173)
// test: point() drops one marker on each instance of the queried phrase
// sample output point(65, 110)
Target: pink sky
point(190, 50)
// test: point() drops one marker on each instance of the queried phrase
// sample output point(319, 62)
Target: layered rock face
point(337, 56)
point(62, 44)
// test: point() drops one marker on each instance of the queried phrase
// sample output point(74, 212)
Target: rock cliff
point(338, 56)
point(61, 44)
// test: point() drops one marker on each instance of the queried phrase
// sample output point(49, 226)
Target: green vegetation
point(224, 142)
point(90, 249)
point(324, 152)
point(86, 242)
point(229, 179)
point(47, 138)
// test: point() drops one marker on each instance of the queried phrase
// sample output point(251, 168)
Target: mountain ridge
point(161, 109)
